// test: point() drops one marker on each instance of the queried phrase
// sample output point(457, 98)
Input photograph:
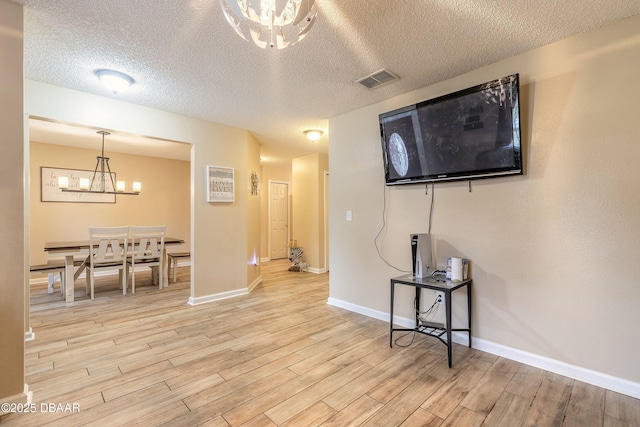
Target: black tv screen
point(470, 134)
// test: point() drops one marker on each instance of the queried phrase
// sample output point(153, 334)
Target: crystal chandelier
point(273, 23)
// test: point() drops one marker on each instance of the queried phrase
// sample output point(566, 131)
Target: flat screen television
point(470, 134)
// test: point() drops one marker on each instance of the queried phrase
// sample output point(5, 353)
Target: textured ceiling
point(186, 59)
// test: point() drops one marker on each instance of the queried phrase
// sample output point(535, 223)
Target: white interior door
point(279, 219)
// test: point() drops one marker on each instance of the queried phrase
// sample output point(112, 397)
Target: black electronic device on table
point(421, 254)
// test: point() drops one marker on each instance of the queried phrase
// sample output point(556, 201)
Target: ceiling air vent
point(377, 79)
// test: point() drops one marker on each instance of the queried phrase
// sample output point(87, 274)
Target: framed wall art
point(220, 184)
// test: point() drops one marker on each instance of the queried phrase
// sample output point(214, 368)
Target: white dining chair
point(147, 248)
point(107, 251)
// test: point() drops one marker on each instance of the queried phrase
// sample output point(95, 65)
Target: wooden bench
point(54, 267)
point(173, 261)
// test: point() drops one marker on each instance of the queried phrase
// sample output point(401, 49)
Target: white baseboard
point(309, 269)
point(224, 295)
point(29, 335)
point(599, 379)
point(217, 297)
point(380, 315)
point(619, 385)
point(25, 398)
point(255, 283)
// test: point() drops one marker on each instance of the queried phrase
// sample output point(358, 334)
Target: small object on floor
point(301, 267)
point(295, 256)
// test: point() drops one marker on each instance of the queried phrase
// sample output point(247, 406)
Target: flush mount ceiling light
point(313, 134)
point(115, 81)
point(273, 23)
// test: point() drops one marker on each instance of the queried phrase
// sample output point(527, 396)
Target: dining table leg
point(69, 279)
point(163, 266)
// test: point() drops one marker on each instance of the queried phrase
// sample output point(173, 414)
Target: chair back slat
point(147, 242)
point(147, 248)
point(108, 244)
point(107, 251)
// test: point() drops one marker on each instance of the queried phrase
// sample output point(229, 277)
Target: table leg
point(416, 307)
point(447, 303)
point(163, 266)
point(469, 310)
point(69, 282)
point(391, 317)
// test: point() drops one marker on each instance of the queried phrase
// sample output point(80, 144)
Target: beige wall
point(554, 252)
point(270, 173)
point(308, 207)
point(323, 166)
point(253, 217)
point(12, 201)
point(164, 199)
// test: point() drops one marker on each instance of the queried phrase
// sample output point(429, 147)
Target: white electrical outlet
point(440, 297)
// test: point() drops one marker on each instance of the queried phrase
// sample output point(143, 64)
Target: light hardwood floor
point(278, 356)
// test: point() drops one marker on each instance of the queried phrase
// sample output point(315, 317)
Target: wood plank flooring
point(279, 356)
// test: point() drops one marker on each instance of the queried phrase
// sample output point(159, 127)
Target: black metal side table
point(446, 287)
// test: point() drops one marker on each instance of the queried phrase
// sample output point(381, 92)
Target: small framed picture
point(220, 184)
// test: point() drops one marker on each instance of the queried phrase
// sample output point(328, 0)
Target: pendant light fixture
point(273, 23)
point(101, 181)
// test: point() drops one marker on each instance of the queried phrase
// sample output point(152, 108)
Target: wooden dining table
point(73, 249)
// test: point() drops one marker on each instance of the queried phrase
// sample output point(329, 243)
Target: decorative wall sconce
point(254, 183)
